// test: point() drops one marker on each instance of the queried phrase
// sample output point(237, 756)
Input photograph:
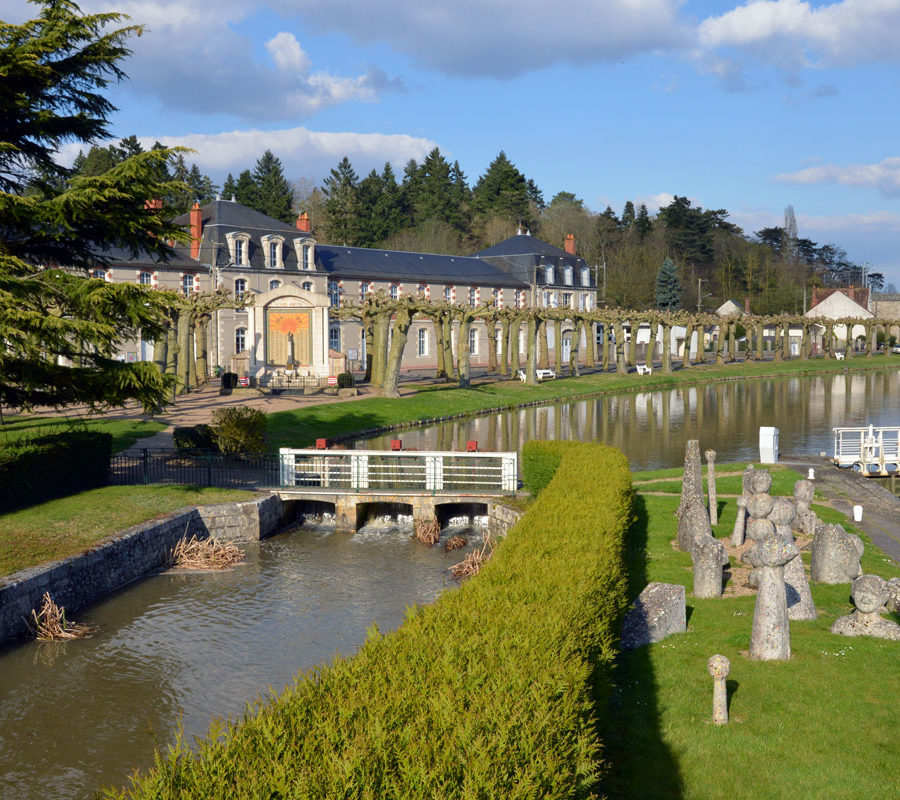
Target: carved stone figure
point(693, 523)
point(805, 520)
point(759, 481)
point(781, 516)
point(659, 611)
point(737, 533)
point(869, 594)
point(799, 597)
point(770, 639)
point(893, 599)
point(835, 555)
point(719, 667)
point(711, 487)
point(709, 556)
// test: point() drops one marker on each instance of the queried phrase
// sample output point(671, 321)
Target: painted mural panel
point(288, 337)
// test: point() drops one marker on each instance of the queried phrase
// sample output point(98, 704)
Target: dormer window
point(306, 253)
point(239, 248)
point(585, 276)
point(549, 275)
point(273, 250)
point(568, 275)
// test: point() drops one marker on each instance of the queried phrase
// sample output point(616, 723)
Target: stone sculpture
point(708, 556)
point(799, 597)
point(835, 555)
point(770, 639)
point(711, 487)
point(659, 611)
point(805, 520)
point(737, 533)
point(719, 667)
point(869, 594)
point(693, 523)
point(893, 599)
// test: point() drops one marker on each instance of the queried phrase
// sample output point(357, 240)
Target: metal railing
point(330, 470)
point(435, 471)
point(874, 450)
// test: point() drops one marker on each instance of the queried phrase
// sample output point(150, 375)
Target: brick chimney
point(196, 229)
point(154, 204)
point(570, 244)
point(747, 304)
point(303, 223)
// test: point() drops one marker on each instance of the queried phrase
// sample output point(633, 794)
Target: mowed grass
point(68, 526)
point(125, 432)
point(822, 725)
point(728, 479)
point(301, 427)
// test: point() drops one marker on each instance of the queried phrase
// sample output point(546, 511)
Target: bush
point(345, 380)
point(239, 429)
point(194, 437)
point(492, 691)
point(540, 461)
point(31, 473)
point(229, 380)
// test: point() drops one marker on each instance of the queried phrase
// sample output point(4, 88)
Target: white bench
point(542, 375)
point(644, 369)
point(839, 356)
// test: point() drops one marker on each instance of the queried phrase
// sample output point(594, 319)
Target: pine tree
point(642, 223)
point(668, 287)
point(435, 199)
point(274, 195)
point(59, 327)
point(202, 187)
point(628, 217)
point(342, 204)
point(502, 190)
point(245, 190)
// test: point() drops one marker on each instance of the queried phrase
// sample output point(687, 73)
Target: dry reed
point(197, 553)
point(473, 562)
point(51, 625)
point(427, 532)
point(455, 542)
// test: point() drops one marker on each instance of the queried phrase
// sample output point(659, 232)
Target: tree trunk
point(403, 318)
point(651, 345)
point(804, 341)
point(515, 325)
point(462, 351)
point(192, 357)
point(619, 334)
point(720, 346)
point(490, 326)
point(544, 360)
point(828, 342)
point(380, 327)
point(441, 371)
point(688, 335)
point(369, 334)
point(760, 341)
point(172, 347)
point(732, 343)
point(701, 344)
point(573, 349)
point(183, 369)
point(871, 340)
point(604, 348)
point(533, 333)
point(786, 341)
point(667, 348)
point(202, 361)
point(160, 350)
point(557, 345)
point(504, 346)
point(447, 325)
point(777, 349)
point(590, 337)
point(631, 346)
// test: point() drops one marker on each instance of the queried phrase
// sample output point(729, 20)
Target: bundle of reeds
point(455, 542)
point(427, 532)
point(51, 625)
point(472, 563)
point(197, 553)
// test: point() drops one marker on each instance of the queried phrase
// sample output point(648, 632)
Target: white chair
point(644, 369)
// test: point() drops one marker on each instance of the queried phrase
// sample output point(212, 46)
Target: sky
point(747, 107)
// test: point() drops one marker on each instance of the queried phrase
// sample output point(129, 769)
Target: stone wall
point(501, 518)
point(80, 580)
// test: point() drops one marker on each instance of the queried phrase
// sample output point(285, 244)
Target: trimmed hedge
point(33, 471)
point(492, 691)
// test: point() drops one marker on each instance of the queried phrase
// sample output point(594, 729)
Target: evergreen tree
point(411, 190)
point(435, 199)
point(60, 327)
point(460, 197)
point(668, 287)
point(342, 204)
point(502, 190)
point(245, 190)
point(371, 227)
point(274, 195)
point(202, 187)
point(642, 223)
point(229, 188)
point(628, 218)
point(182, 199)
point(535, 195)
point(389, 205)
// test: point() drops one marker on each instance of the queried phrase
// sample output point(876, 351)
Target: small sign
point(244, 381)
point(332, 380)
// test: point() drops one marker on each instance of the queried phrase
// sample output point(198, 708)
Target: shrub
point(345, 380)
point(229, 380)
point(30, 470)
point(194, 437)
point(239, 429)
point(492, 691)
point(540, 461)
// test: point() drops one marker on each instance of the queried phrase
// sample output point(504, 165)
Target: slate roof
point(522, 245)
point(521, 254)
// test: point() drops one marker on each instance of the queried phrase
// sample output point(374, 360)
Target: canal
point(180, 648)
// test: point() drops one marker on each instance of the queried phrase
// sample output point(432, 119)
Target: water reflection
point(652, 427)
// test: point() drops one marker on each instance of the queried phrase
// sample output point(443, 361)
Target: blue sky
point(747, 107)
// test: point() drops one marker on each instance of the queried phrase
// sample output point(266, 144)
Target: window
point(585, 276)
point(334, 338)
point(240, 340)
point(547, 299)
point(272, 248)
point(238, 247)
point(305, 248)
point(239, 251)
point(145, 279)
point(187, 284)
point(473, 297)
point(276, 284)
point(306, 286)
point(568, 275)
point(240, 288)
point(520, 298)
point(364, 289)
point(497, 298)
point(423, 290)
point(549, 277)
point(585, 302)
point(567, 299)
point(423, 342)
point(307, 256)
point(554, 300)
point(395, 291)
point(448, 294)
point(99, 273)
point(473, 341)
point(334, 294)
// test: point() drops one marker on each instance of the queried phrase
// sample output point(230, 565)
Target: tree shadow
point(639, 762)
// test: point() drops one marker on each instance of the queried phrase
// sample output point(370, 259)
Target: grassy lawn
point(125, 432)
point(301, 427)
point(70, 525)
point(822, 725)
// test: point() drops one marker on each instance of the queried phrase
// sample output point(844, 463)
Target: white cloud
point(303, 152)
point(795, 34)
point(884, 176)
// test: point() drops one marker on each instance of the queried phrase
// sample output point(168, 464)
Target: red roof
point(855, 293)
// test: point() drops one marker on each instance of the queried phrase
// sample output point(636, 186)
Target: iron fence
point(227, 471)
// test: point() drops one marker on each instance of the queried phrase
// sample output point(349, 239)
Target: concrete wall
point(501, 518)
point(80, 580)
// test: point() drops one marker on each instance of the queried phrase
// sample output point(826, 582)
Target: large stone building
point(294, 281)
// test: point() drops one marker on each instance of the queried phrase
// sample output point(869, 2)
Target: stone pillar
point(711, 487)
point(345, 513)
point(708, 556)
point(423, 510)
point(737, 535)
point(770, 639)
point(719, 667)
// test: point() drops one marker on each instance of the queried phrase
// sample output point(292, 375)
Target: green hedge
point(492, 691)
point(33, 471)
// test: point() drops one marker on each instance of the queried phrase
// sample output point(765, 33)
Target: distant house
point(839, 304)
point(730, 309)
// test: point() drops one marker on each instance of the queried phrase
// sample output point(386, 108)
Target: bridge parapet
point(876, 451)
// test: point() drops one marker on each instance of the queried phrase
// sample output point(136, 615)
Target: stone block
point(658, 612)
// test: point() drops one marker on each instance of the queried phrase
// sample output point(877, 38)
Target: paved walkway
point(845, 488)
